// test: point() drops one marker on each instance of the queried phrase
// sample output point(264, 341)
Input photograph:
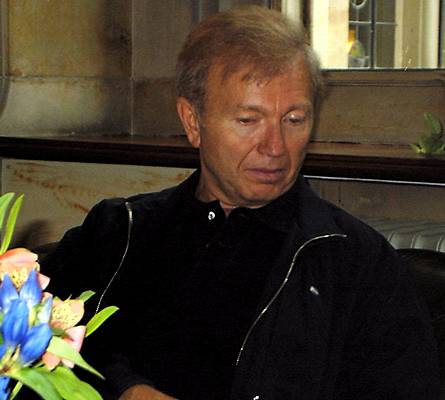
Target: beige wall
point(159, 28)
point(93, 66)
point(387, 109)
point(69, 63)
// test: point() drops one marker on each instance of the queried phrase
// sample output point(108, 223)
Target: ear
point(190, 121)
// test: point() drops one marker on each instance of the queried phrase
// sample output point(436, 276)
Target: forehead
point(222, 82)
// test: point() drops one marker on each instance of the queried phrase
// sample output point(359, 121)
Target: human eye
point(295, 119)
point(247, 119)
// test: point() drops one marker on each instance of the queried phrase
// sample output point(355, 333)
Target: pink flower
point(65, 315)
point(74, 337)
point(18, 263)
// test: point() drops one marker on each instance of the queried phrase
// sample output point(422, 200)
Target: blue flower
point(2, 350)
point(31, 291)
point(35, 343)
point(19, 336)
point(44, 314)
point(8, 293)
point(15, 323)
point(4, 391)
point(31, 342)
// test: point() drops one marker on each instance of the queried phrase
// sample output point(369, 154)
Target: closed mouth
point(267, 175)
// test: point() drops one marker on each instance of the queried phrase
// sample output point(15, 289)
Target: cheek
point(297, 148)
point(235, 142)
point(223, 151)
point(302, 144)
point(299, 141)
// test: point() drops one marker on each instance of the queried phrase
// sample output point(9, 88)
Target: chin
point(259, 199)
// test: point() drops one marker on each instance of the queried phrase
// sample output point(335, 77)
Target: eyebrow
point(257, 108)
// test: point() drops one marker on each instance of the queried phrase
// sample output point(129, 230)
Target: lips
point(267, 175)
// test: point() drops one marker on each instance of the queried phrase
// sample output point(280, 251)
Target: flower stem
point(16, 389)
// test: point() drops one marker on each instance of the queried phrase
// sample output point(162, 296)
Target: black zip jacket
point(338, 319)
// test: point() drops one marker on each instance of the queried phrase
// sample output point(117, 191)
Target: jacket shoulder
point(353, 227)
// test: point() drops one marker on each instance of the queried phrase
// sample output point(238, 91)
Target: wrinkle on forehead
point(259, 72)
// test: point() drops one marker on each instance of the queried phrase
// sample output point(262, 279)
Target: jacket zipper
point(124, 254)
point(263, 311)
point(281, 287)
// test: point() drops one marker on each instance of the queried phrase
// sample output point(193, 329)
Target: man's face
point(252, 135)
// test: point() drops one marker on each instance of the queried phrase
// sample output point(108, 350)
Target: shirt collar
point(278, 214)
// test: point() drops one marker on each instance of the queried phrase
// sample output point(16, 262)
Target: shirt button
point(211, 215)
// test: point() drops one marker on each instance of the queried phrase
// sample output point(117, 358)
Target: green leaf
point(427, 142)
point(4, 204)
point(440, 150)
point(99, 318)
point(84, 296)
point(62, 349)
point(70, 386)
point(433, 124)
point(10, 224)
point(416, 147)
point(16, 389)
point(35, 378)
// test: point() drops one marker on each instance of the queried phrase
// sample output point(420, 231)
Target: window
point(371, 34)
point(374, 34)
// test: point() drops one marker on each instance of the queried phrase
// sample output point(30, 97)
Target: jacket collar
point(299, 208)
point(315, 216)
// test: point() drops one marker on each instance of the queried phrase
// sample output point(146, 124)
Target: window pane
point(417, 34)
point(384, 46)
point(359, 46)
point(360, 38)
point(360, 10)
point(385, 10)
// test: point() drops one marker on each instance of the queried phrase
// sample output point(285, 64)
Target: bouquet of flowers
point(39, 336)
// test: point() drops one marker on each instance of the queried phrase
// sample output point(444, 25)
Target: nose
point(272, 143)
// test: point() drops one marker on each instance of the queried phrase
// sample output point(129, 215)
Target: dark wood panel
point(364, 161)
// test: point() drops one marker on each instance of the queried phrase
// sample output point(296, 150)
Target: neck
point(205, 195)
point(227, 208)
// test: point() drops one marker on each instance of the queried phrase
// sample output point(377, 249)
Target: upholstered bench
point(406, 234)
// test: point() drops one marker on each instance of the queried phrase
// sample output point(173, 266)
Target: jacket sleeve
point(87, 254)
point(85, 259)
point(391, 351)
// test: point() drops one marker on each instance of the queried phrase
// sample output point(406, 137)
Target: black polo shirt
point(220, 268)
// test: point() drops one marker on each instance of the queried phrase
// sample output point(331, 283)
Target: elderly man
point(241, 283)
